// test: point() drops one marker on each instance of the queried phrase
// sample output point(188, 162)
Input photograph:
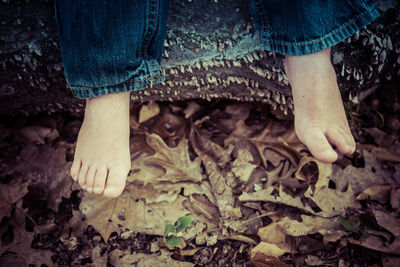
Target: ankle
point(115, 101)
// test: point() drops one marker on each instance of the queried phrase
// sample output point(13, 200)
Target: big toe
point(342, 139)
point(314, 138)
point(76, 165)
point(116, 181)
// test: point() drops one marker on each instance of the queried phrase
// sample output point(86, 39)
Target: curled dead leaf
point(148, 111)
point(380, 193)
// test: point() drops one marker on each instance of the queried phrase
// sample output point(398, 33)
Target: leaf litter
point(240, 173)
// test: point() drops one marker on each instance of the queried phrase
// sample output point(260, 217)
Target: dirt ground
point(256, 195)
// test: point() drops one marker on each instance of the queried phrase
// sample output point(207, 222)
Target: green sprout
point(354, 227)
point(171, 233)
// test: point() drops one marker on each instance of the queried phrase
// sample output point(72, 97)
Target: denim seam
point(151, 26)
point(323, 38)
point(267, 31)
point(125, 82)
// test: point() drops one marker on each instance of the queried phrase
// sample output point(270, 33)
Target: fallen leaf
point(11, 192)
point(376, 243)
point(395, 199)
point(218, 179)
point(284, 143)
point(329, 228)
point(312, 260)
point(167, 164)
point(361, 178)
point(170, 127)
point(243, 165)
point(390, 261)
point(107, 215)
point(119, 258)
point(191, 108)
point(148, 111)
point(47, 168)
point(381, 138)
point(269, 252)
point(388, 221)
point(261, 259)
point(380, 193)
point(274, 234)
point(98, 260)
point(281, 197)
point(332, 202)
point(380, 152)
point(20, 252)
point(36, 134)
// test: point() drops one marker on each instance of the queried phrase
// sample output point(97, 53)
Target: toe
point(90, 178)
point(82, 174)
point(75, 168)
point(342, 139)
point(314, 138)
point(116, 181)
point(100, 180)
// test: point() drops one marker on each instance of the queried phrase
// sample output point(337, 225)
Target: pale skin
point(102, 158)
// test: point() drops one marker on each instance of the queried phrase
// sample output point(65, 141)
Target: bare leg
point(102, 157)
point(320, 119)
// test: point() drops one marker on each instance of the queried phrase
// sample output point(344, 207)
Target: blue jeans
point(116, 46)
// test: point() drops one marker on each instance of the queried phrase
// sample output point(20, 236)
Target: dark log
point(212, 51)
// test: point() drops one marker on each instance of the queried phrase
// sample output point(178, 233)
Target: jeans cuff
point(326, 41)
point(153, 75)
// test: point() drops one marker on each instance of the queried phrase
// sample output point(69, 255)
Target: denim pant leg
point(111, 46)
point(298, 27)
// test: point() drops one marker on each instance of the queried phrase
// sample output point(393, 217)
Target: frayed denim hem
point(329, 40)
point(154, 75)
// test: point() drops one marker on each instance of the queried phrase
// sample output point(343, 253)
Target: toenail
point(349, 149)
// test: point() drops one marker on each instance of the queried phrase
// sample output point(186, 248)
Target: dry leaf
point(167, 164)
point(47, 168)
point(36, 134)
point(169, 126)
point(312, 260)
point(19, 252)
point(284, 143)
point(119, 258)
point(332, 202)
point(107, 214)
point(329, 228)
point(192, 108)
point(262, 259)
point(380, 193)
point(376, 243)
point(211, 154)
point(97, 259)
point(11, 192)
point(148, 111)
point(395, 199)
point(388, 221)
point(242, 166)
point(380, 152)
point(361, 178)
point(280, 197)
point(381, 138)
point(390, 261)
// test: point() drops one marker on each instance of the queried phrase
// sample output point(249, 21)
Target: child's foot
point(102, 158)
point(320, 119)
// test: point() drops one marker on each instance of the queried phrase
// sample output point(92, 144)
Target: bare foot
point(320, 119)
point(102, 158)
